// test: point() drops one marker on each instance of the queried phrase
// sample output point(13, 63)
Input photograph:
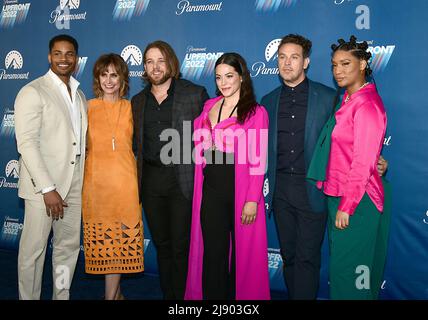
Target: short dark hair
point(169, 55)
point(306, 44)
point(102, 64)
point(64, 37)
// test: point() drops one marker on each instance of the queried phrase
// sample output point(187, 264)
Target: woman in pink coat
point(228, 245)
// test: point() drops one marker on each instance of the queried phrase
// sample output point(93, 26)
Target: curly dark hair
point(357, 49)
point(247, 100)
point(101, 65)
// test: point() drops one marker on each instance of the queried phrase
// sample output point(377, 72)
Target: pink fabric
point(252, 275)
point(356, 143)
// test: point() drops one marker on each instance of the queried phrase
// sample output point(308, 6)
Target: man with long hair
point(166, 187)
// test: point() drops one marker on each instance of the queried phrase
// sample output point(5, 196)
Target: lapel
point(61, 104)
point(83, 112)
point(140, 118)
point(311, 113)
point(175, 102)
point(273, 123)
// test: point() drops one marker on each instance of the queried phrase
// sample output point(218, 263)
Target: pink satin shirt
point(356, 143)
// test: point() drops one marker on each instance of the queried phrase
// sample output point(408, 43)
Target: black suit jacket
point(188, 102)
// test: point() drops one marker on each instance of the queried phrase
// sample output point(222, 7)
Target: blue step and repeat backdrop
point(200, 31)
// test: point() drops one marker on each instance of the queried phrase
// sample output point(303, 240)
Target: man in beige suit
point(51, 122)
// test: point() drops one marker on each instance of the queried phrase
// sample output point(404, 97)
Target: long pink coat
point(250, 150)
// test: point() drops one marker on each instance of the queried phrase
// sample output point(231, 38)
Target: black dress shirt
point(157, 117)
point(292, 110)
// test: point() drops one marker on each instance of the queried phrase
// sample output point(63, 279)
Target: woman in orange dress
point(112, 221)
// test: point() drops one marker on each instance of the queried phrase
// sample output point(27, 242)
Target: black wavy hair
point(64, 37)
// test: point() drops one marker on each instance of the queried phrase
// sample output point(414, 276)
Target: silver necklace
point(349, 96)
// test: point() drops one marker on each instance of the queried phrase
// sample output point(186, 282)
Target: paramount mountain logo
point(71, 4)
point(134, 58)
point(271, 55)
point(273, 5)
point(62, 15)
point(271, 51)
point(7, 128)
point(12, 169)
point(198, 62)
point(80, 67)
point(132, 55)
point(13, 13)
point(12, 172)
point(124, 10)
point(13, 61)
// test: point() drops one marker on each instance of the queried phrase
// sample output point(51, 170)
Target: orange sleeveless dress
point(112, 220)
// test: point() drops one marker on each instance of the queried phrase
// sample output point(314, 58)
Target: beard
point(158, 81)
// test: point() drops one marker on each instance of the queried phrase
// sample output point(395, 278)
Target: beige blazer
point(45, 138)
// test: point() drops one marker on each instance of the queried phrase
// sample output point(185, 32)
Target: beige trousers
point(65, 243)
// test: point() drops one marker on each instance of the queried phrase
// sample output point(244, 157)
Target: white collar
point(73, 83)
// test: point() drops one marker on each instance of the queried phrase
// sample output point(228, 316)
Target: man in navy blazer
point(298, 110)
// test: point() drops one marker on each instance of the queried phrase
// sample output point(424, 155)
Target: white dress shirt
point(73, 105)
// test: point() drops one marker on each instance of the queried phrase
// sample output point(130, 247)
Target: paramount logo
point(134, 58)
point(62, 15)
point(13, 61)
point(271, 54)
point(72, 4)
point(184, 6)
point(12, 172)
